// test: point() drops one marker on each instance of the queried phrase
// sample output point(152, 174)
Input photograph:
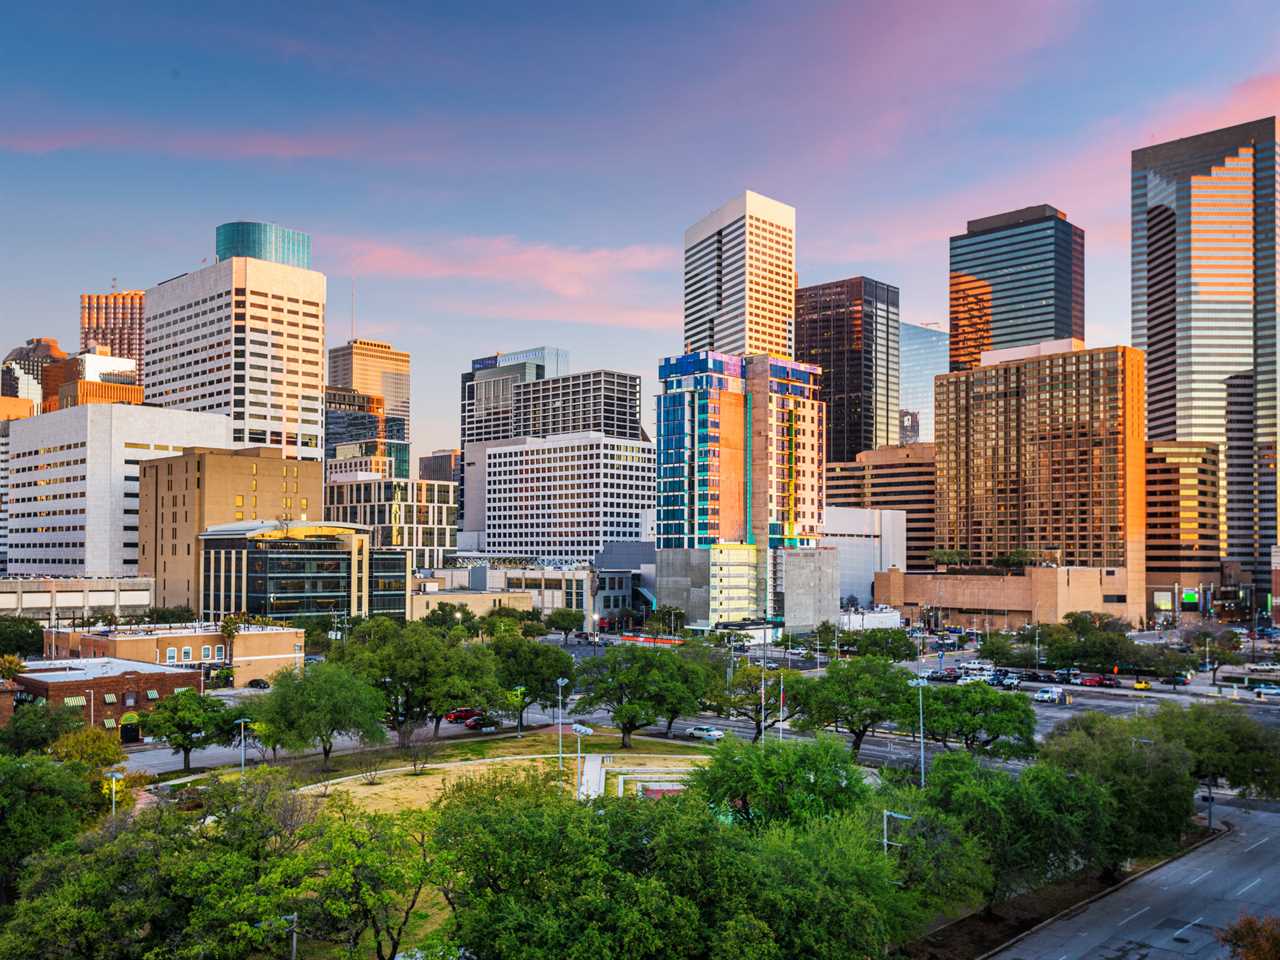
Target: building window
point(204, 652)
point(186, 654)
point(219, 652)
point(171, 655)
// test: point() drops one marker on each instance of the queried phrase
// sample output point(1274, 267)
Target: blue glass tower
point(263, 241)
point(925, 354)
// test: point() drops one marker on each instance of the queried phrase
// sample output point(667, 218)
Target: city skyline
point(414, 197)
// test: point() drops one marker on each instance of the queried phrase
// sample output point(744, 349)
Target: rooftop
point(199, 628)
point(282, 529)
point(91, 668)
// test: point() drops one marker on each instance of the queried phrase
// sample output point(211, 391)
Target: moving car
point(1048, 695)
point(463, 714)
point(796, 652)
point(705, 732)
point(1267, 689)
point(1110, 680)
point(1177, 680)
point(1142, 684)
point(480, 722)
point(1263, 667)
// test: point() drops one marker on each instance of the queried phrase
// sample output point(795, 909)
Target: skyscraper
point(22, 372)
point(115, 321)
point(245, 338)
point(263, 241)
point(850, 329)
point(1204, 308)
point(1017, 279)
point(373, 367)
point(487, 388)
point(739, 279)
point(925, 355)
point(360, 419)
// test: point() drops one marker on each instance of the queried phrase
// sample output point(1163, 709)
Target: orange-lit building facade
point(1184, 537)
point(113, 320)
point(892, 478)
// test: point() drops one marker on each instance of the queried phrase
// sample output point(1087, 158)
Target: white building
point(415, 515)
point(865, 541)
point(73, 483)
point(560, 498)
point(740, 280)
point(243, 338)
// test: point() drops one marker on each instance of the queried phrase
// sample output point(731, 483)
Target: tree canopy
point(187, 721)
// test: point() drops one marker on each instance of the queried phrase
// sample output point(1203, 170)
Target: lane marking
point(1191, 924)
point(1132, 915)
point(1191, 883)
point(1248, 886)
point(1258, 844)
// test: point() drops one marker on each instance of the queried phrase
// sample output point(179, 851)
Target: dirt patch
point(405, 791)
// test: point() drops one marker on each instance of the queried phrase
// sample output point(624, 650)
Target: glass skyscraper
point(850, 328)
point(263, 241)
point(1017, 279)
point(925, 354)
point(1204, 222)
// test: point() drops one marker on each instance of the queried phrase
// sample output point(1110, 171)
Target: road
point(1177, 910)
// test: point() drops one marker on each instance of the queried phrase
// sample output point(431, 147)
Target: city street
point(1175, 911)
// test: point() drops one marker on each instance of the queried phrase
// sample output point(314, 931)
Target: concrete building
point(1017, 279)
point(289, 570)
point(374, 367)
point(1184, 540)
point(865, 542)
point(114, 320)
point(925, 355)
point(808, 588)
point(441, 466)
point(419, 516)
point(558, 498)
point(11, 408)
point(1203, 258)
point(488, 390)
point(243, 338)
point(479, 602)
point(739, 279)
point(602, 401)
point(92, 376)
point(74, 483)
point(62, 599)
point(255, 653)
point(626, 583)
point(851, 331)
point(21, 374)
point(713, 585)
point(568, 585)
point(181, 496)
point(892, 478)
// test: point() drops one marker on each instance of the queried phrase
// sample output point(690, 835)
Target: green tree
point(856, 695)
point(823, 639)
point(34, 726)
point(324, 702)
point(42, 802)
point(628, 682)
point(780, 780)
point(978, 717)
point(996, 648)
point(91, 747)
point(180, 614)
point(879, 642)
point(683, 683)
point(533, 669)
point(764, 697)
point(565, 620)
point(1226, 743)
point(21, 636)
point(447, 616)
point(188, 721)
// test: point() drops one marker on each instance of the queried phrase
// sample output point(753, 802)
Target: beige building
point(255, 653)
point(1185, 541)
point(479, 602)
point(373, 367)
point(181, 497)
point(892, 478)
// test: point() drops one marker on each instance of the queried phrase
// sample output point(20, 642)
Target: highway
point(1176, 910)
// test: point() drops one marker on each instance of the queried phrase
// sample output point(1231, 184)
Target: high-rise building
point(113, 320)
point(352, 417)
point(22, 372)
point(181, 496)
point(740, 279)
point(263, 241)
point(1017, 279)
point(442, 466)
point(1184, 551)
point(373, 367)
point(74, 483)
point(11, 408)
point(1204, 222)
point(92, 376)
point(488, 387)
point(243, 338)
point(1041, 458)
point(925, 355)
point(419, 516)
point(605, 401)
point(893, 478)
point(850, 329)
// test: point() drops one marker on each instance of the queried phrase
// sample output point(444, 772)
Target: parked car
point(1267, 689)
point(257, 683)
point(795, 652)
point(480, 722)
point(1110, 680)
point(1091, 680)
point(1067, 675)
point(313, 658)
point(1141, 684)
point(705, 732)
point(1048, 695)
point(463, 714)
point(1264, 667)
point(1177, 680)
point(1011, 682)
point(771, 665)
point(973, 678)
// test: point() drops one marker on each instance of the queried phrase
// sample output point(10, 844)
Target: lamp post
point(242, 721)
point(560, 685)
point(890, 815)
point(580, 731)
point(920, 683)
point(115, 776)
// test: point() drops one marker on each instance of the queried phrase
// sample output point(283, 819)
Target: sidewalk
point(592, 784)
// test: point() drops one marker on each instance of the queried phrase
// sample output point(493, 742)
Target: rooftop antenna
point(115, 284)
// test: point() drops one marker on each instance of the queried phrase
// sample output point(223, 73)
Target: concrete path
point(592, 783)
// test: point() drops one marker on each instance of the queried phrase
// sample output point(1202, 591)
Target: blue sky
point(496, 176)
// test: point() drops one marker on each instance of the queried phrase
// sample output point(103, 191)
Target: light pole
point(920, 683)
point(580, 731)
point(242, 721)
point(560, 685)
point(890, 815)
point(115, 776)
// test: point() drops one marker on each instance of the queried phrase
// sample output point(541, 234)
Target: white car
point(973, 678)
point(708, 733)
point(796, 652)
point(1265, 666)
point(1048, 695)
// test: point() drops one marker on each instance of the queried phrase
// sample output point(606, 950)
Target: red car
point(1092, 680)
point(1110, 681)
point(479, 721)
point(463, 714)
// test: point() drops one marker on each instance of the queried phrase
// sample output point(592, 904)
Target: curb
point(1226, 828)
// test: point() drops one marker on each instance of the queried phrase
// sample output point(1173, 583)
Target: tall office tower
point(441, 466)
point(73, 487)
point(11, 408)
point(374, 367)
point(1042, 449)
point(419, 516)
point(243, 338)
point(487, 388)
point(605, 401)
point(850, 329)
point(892, 478)
point(22, 372)
point(357, 425)
point(181, 496)
point(740, 279)
point(1184, 557)
point(1017, 279)
point(263, 241)
point(925, 355)
point(1204, 308)
point(115, 321)
point(92, 376)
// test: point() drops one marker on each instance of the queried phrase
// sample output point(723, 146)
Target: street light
point(242, 721)
point(891, 815)
point(115, 776)
point(920, 683)
point(580, 730)
point(560, 685)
